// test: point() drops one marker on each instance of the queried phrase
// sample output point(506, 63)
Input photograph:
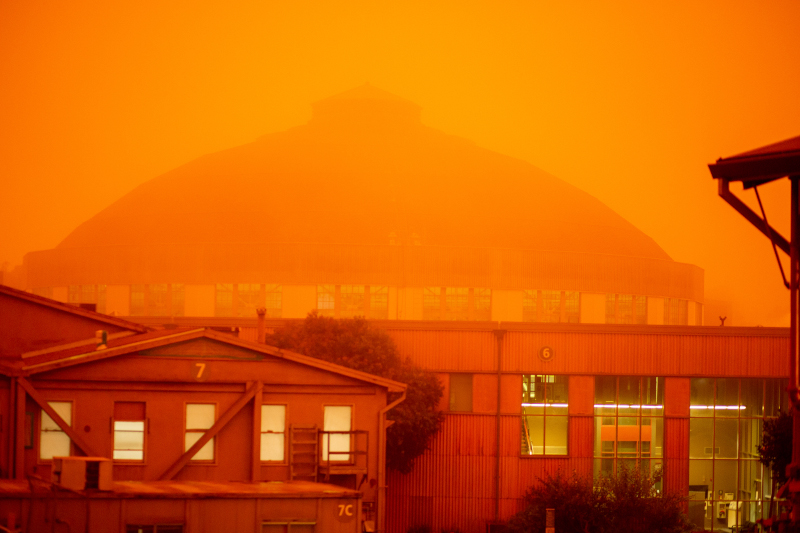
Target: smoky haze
point(628, 103)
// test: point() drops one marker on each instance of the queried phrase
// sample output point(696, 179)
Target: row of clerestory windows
point(372, 301)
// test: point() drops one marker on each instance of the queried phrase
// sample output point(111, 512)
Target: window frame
point(527, 378)
point(145, 431)
point(186, 430)
point(40, 430)
point(324, 452)
point(285, 434)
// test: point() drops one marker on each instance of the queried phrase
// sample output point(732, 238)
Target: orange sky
point(627, 100)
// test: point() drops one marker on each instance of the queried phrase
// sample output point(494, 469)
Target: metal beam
point(751, 216)
point(212, 431)
point(66, 428)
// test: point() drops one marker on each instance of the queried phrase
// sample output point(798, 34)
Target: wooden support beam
point(255, 458)
point(19, 432)
point(74, 436)
point(212, 431)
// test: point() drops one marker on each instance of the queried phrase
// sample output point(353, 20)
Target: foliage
point(775, 450)
point(625, 502)
point(353, 343)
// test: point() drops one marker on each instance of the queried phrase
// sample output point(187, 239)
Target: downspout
point(500, 334)
point(381, 495)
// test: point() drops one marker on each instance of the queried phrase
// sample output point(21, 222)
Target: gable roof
point(76, 355)
point(72, 309)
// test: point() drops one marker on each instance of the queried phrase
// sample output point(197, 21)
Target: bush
point(626, 502)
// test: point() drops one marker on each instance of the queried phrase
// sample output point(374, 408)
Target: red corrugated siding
point(676, 451)
point(457, 351)
point(645, 354)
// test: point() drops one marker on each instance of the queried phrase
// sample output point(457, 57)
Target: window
point(461, 392)
point(626, 309)
point(629, 424)
point(698, 314)
point(53, 442)
point(545, 420)
point(726, 421)
point(551, 306)
point(273, 300)
point(273, 432)
point(482, 303)
point(129, 421)
point(88, 294)
point(242, 299)
point(157, 299)
point(530, 303)
point(378, 302)
point(156, 528)
point(336, 433)
point(199, 418)
point(456, 303)
point(676, 311)
point(432, 303)
point(350, 301)
point(326, 300)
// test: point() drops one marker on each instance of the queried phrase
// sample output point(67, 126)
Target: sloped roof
point(70, 356)
point(363, 171)
point(72, 309)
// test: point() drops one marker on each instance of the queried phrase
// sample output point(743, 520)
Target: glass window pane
point(273, 301)
point(128, 455)
point(352, 301)
point(200, 415)
point(701, 438)
point(272, 446)
point(62, 409)
point(128, 426)
point(326, 299)
point(379, 303)
point(273, 418)
point(432, 303)
point(725, 479)
point(532, 435)
point(206, 453)
point(652, 396)
point(551, 306)
point(726, 438)
point(629, 398)
point(702, 397)
point(605, 395)
point(529, 303)
point(128, 440)
point(750, 429)
point(727, 402)
point(556, 435)
point(775, 397)
point(336, 418)
point(572, 307)
point(53, 444)
point(752, 397)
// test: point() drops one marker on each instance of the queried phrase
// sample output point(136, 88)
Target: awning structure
point(754, 168)
point(761, 165)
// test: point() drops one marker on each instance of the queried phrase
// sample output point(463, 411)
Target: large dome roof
point(364, 170)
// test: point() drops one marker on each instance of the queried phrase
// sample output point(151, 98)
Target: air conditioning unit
point(82, 473)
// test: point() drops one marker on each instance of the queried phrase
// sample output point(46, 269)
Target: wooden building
point(193, 405)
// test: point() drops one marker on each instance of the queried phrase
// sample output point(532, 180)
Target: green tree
point(353, 343)
point(625, 502)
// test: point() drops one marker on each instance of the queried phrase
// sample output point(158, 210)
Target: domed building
point(564, 337)
point(366, 211)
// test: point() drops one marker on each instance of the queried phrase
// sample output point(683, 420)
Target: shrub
point(626, 502)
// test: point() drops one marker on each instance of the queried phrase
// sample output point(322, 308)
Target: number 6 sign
point(546, 353)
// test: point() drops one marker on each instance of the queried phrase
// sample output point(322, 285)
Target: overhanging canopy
point(761, 165)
